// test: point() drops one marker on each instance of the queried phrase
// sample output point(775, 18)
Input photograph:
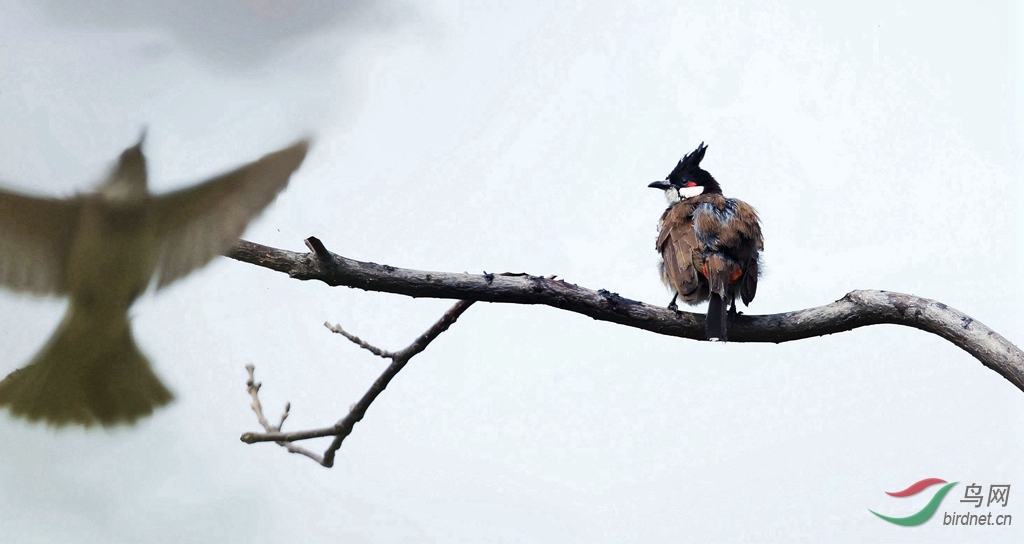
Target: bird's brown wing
point(680, 254)
point(195, 225)
point(35, 241)
point(753, 242)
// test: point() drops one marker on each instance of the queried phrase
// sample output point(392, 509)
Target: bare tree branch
point(344, 426)
point(856, 309)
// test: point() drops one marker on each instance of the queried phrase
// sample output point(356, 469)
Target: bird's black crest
point(689, 169)
point(690, 163)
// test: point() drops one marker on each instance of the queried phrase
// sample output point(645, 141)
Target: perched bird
point(102, 250)
point(710, 245)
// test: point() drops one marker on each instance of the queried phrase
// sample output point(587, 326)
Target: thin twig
point(344, 426)
point(254, 391)
point(359, 341)
point(284, 415)
point(357, 411)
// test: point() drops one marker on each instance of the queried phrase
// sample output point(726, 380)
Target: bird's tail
point(716, 318)
point(717, 271)
point(90, 371)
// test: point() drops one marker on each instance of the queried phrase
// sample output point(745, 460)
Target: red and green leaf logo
point(929, 509)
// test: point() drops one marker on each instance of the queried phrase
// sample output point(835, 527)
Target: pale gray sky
point(880, 144)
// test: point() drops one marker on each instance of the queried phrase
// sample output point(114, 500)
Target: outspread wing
point(35, 241)
point(196, 224)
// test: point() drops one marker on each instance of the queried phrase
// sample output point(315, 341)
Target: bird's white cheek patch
point(687, 192)
point(672, 195)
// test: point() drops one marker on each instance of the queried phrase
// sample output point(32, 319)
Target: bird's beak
point(660, 184)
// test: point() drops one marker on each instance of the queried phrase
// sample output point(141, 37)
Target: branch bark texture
point(856, 309)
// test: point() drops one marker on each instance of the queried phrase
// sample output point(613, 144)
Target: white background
point(880, 143)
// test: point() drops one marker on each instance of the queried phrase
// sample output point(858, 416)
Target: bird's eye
point(690, 184)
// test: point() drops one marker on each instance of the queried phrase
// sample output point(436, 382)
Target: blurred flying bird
point(102, 250)
point(710, 245)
